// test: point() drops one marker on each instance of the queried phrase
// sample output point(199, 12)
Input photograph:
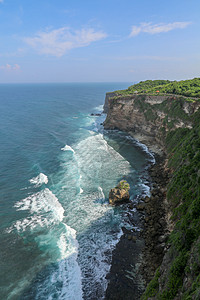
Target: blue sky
point(98, 40)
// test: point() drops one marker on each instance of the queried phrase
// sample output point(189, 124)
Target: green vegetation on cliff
point(180, 278)
point(173, 123)
point(173, 110)
point(187, 88)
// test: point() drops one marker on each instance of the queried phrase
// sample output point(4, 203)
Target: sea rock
point(120, 193)
point(97, 114)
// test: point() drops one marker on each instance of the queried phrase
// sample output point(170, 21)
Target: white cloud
point(16, 67)
point(1, 1)
point(157, 28)
point(6, 67)
point(9, 67)
point(57, 42)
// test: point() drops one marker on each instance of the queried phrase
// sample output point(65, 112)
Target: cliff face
point(170, 124)
point(148, 118)
point(106, 104)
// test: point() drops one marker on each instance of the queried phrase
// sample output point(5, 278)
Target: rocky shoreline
point(155, 223)
point(138, 254)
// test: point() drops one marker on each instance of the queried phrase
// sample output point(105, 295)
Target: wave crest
point(68, 148)
point(39, 180)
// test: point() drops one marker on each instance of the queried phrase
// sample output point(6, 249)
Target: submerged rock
point(120, 193)
point(96, 115)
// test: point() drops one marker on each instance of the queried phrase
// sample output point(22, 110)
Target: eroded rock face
point(148, 118)
point(118, 196)
point(108, 96)
point(120, 193)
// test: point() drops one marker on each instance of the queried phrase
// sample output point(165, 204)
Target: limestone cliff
point(148, 118)
point(108, 96)
point(171, 124)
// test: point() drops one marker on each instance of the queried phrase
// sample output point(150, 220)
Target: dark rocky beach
point(138, 254)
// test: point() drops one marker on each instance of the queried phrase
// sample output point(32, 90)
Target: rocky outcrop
point(148, 118)
point(106, 105)
point(120, 193)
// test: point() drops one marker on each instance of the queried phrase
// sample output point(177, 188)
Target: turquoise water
point(57, 166)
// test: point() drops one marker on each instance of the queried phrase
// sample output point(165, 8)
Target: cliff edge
point(149, 118)
point(170, 124)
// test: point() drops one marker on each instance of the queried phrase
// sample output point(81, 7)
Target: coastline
point(138, 254)
point(171, 214)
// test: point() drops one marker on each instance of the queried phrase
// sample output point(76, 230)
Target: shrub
point(123, 185)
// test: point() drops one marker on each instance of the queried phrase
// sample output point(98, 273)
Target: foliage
point(183, 193)
point(143, 86)
point(187, 88)
point(153, 286)
point(173, 109)
point(175, 277)
point(123, 185)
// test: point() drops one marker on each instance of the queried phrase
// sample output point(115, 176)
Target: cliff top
point(187, 88)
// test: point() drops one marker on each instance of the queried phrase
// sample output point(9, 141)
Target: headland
point(165, 256)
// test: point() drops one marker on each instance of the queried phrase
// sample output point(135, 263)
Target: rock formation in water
point(120, 193)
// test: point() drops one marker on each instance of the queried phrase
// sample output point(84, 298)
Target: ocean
point(57, 165)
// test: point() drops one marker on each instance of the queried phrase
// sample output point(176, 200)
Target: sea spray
point(98, 226)
point(44, 226)
point(39, 180)
point(67, 148)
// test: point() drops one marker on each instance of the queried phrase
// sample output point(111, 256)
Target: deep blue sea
point(57, 165)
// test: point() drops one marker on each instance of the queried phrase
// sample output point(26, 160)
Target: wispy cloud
point(9, 67)
point(157, 28)
point(1, 1)
point(57, 42)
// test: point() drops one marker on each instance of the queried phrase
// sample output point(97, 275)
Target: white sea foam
point(95, 165)
point(94, 158)
point(97, 225)
point(99, 108)
point(43, 201)
point(68, 148)
point(67, 274)
point(91, 132)
point(143, 147)
point(101, 193)
point(39, 180)
point(145, 189)
point(57, 238)
point(81, 190)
